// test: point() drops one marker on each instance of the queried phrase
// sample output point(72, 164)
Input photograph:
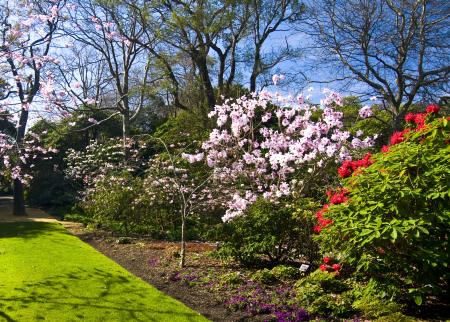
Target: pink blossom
point(365, 111)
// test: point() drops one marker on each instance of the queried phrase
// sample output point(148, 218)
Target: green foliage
point(376, 299)
point(325, 294)
point(78, 217)
point(397, 220)
point(280, 273)
point(264, 276)
point(285, 273)
point(111, 202)
point(187, 128)
point(271, 232)
point(233, 278)
point(397, 317)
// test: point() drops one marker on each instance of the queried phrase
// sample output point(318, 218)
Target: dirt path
point(33, 214)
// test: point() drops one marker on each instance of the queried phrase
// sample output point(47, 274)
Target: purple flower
point(153, 262)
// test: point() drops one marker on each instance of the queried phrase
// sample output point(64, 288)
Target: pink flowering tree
point(100, 160)
point(269, 145)
point(27, 33)
point(170, 180)
point(18, 164)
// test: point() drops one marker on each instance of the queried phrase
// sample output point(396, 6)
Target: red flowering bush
point(433, 108)
point(330, 265)
point(392, 216)
point(349, 167)
point(398, 137)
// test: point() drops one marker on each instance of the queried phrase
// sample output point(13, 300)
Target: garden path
point(33, 214)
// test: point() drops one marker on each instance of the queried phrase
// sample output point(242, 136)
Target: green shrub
point(397, 219)
point(264, 276)
point(375, 300)
point(285, 273)
point(397, 317)
point(271, 232)
point(322, 293)
point(233, 278)
point(111, 202)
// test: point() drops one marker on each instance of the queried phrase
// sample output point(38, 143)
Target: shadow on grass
point(30, 230)
point(81, 292)
point(6, 317)
point(96, 292)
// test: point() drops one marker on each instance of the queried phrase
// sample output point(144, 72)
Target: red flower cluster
point(323, 222)
point(385, 148)
point(329, 266)
point(398, 137)
point(433, 108)
point(410, 118)
point(348, 167)
point(420, 118)
point(338, 197)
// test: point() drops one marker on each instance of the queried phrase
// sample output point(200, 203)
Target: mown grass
point(46, 274)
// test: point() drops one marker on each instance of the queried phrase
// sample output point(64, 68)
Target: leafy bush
point(111, 202)
point(396, 215)
point(285, 273)
point(280, 273)
point(325, 294)
point(271, 232)
point(233, 278)
point(375, 300)
point(264, 276)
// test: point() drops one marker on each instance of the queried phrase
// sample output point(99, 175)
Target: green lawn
point(46, 274)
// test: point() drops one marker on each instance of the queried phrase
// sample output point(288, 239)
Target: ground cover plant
point(48, 274)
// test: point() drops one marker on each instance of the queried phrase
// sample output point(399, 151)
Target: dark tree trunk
point(202, 65)
point(126, 134)
point(18, 192)
point(19, 200)
point(183, 243)
point(256, 69)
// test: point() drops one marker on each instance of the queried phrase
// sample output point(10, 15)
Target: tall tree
point(220, 38)
point(398, 49)
point(269, 17)
point(27, 30)
point(127, 65)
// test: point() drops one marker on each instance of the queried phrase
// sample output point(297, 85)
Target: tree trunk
point(19, 199)
point(183, 243)
point(18, 193)
point(256, 69)
point(206, 80)
point(125, 134)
